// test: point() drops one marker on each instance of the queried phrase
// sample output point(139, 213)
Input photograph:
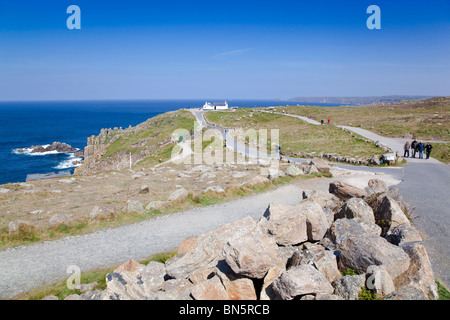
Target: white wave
point(29, 151)
point(66, 164)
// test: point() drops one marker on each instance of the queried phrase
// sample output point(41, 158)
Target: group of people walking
point(417, 147)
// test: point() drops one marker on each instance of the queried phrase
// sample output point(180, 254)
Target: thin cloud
point(231, 53)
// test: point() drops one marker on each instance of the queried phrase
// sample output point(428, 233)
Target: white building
point(215, 106)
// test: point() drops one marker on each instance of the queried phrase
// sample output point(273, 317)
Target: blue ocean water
point(24, 124)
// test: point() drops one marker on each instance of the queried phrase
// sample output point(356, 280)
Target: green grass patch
point(297, 137)
point(60, 290)
point(444, 294)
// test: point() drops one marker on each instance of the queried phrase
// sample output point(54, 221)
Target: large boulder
point(403, 233)
point(419, 274)
point(325, 262)
point(103, 213)
point(350, 286)
point(207, 250)
point(133, 206)
point(324, 199)
point(237, 287)
point(180, 194)
point(174, 289)
point(377, 186)
point(316, 220)
point(321, 165)
point(60, 220)
point(293, 171)
point(251, 254)
point(360, 249)
point(345, 191)
point(409, 293)
point(356, 208)
point(390, 214)
point(133, 281)
point(301, 280)
point(379, 281)
point(211, 289)
point(286, 223)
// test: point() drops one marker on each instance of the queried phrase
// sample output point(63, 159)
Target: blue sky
point(222, 49)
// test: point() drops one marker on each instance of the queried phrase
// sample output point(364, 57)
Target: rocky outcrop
point(292, 252)
point(54, 147)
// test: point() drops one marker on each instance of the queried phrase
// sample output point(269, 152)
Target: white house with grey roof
point(215, 106)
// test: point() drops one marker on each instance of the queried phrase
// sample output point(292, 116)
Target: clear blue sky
point(222, 49)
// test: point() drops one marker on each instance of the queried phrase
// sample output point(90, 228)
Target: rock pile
point(331, 246)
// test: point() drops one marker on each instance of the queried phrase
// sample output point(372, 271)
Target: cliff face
point(111, 149)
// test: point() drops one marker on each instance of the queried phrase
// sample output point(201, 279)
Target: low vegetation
point(295, 135)
point(422, 119)
point(60, 289)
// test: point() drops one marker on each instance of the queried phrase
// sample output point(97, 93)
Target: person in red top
point(329, 121)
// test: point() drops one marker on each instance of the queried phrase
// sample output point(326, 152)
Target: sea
point(27, 124)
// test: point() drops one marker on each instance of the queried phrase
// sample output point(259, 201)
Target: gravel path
point(26, 267)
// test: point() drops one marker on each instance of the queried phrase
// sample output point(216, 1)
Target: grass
point(441, 152)
point(423, 119)
point(85, 225)
point(443, 292)
point(60, 290)
point(297, 138)
point(151, 133)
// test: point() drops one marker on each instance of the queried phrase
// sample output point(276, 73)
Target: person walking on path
point(406, 148)
point(428, 148)
point(329, 121)
point(421, 149)
point(414, 148)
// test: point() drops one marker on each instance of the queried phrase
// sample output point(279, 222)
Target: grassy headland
point(422, 119)
point(296, 136)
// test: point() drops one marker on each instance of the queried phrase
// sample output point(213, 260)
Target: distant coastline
point(358, 100)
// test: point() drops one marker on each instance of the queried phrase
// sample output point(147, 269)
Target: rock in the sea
point(301, 280)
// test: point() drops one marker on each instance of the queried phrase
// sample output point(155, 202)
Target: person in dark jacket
point(421, 149)
point(414, 148)
point(428, 148)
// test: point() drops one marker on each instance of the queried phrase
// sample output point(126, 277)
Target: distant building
point(215, 106)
